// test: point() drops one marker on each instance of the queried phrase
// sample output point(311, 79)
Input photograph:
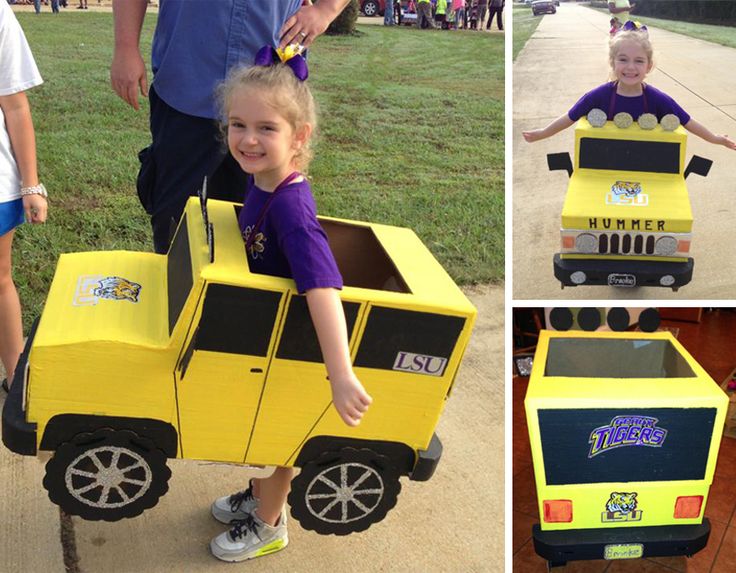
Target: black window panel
point(299, 339)
point(179, 272)
point(627, 155)
point(565, 436)
point(390, 331)
point(237, 320)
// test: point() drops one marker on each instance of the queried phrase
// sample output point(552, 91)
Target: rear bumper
point(19, 436)
point(428, 461)
point(623, 273)
point(562, 546)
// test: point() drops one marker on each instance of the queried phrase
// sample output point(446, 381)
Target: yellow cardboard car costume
point(141, 357)
point(626, 220)
point(624, 430)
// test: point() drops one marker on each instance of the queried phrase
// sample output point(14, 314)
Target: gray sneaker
point(250, 538)
point(235, 507)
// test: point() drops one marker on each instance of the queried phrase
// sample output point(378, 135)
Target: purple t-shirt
point(289, 241)
point(651, 101)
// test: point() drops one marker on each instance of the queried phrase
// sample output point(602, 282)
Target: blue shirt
point(197, 42)
point(289, 241)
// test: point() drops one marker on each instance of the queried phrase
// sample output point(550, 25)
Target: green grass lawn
point(524, 25)
point(411, 134)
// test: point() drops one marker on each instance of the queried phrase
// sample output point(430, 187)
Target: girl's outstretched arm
point(350, 398)
point(562, 122)
point(701, 131)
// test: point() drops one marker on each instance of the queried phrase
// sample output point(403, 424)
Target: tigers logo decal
point(90, 289)
point(621, 506)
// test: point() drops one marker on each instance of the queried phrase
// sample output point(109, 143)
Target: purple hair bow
point(268, 56)
point(630, 26)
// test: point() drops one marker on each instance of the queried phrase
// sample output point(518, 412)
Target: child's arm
point(128, 70)
point(562, 122)
point(23, 142)
point(701, 131)
point(350, 398)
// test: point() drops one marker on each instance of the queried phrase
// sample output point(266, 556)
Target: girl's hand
point(36, 208)
point(725, 141)
point(350, 398)
point(532, 136)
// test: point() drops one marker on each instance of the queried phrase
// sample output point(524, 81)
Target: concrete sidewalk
point(568, 56)
point(454, 522)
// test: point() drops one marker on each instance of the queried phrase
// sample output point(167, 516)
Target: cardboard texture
point(627, 214)
point(192, 344)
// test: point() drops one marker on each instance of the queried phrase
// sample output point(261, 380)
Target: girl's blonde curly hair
point(289, 96)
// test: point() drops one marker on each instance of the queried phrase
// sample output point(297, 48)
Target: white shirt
point(18, 72)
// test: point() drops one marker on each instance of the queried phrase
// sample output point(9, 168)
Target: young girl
point(630, 56)
point(270, 120)
point(21, 195)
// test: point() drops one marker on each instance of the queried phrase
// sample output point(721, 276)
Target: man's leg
point(184, 150)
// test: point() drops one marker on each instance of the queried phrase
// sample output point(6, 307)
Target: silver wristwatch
point(34, 190)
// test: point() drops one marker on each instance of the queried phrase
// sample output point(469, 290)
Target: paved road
point(454, 522)
point(567, 56)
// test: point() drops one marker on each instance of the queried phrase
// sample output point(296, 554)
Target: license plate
point(621, 280)
point(623, 551)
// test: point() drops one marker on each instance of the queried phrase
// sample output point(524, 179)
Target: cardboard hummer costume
point(140, 357)
point(624, 429)
point(626, 219)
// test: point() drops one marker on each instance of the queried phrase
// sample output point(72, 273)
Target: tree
point(344, 24)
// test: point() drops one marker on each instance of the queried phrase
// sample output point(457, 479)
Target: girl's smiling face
point(631, 64)
point(260, 139)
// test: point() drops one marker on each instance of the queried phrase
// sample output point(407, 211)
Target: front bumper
point(623, 273)
point(19, 436)
point(560, 546)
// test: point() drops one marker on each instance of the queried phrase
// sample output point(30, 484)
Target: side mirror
point(559, 161)
point(699, 166)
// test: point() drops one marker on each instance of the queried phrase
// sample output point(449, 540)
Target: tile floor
point(713, 344)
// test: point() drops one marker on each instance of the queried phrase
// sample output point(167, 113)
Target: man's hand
point(128, 75)
point(309, 22)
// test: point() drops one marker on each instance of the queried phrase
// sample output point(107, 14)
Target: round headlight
point(578, 277)
point(665, 246)
point(586, 243)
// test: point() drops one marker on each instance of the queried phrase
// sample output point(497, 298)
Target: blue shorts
point(11, 215)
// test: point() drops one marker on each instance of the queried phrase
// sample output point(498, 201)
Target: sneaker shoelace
point(238, 499)
point(241, 527)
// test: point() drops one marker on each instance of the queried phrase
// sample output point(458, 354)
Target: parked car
point(373, 7)
point(626, 220)
point(140, 357)
point(625, 429)
point(543, 7)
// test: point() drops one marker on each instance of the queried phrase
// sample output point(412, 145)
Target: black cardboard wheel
point(107, 475)
point(344, 492)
